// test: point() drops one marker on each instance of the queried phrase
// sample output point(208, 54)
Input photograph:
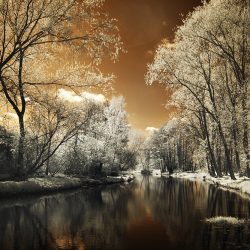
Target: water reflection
point(150, 213)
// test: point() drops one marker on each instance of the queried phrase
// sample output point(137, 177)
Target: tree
point(31, 26)
point(86, 148)
point(213, 71)
point(6, 152)
point(116, 131)
point(171, 146)
point(52, 122)
point(103, 141)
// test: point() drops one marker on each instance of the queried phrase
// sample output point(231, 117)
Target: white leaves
point(159, 70)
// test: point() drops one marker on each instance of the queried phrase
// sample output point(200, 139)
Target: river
point(150, 213)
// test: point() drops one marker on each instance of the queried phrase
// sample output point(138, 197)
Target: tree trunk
point(237, 157)
point(227, 153)
point(21, 147)
point(48, 161)
point(210, 150)
point(245, 133)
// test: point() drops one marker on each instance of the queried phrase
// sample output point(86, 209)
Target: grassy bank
point(54, 184)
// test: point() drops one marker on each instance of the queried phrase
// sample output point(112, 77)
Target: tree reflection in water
point(150, 213)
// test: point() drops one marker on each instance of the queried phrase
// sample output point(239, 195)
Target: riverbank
point(240, 185)
point(54, 184)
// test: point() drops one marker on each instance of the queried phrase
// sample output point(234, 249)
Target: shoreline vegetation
point(241, 185)
point(50, 184)
point(227, 220)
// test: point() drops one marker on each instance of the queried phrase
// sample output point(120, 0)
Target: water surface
point(150, 213)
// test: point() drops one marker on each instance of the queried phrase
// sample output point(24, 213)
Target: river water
point(149, 213)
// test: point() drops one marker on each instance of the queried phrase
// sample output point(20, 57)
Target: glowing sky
point(143, 23)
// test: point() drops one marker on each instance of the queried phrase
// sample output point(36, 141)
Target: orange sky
point(143, 24)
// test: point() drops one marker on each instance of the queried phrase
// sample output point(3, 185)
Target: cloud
point(69, 96)
point(151, 130)
point(93, 97)
point(72, 97)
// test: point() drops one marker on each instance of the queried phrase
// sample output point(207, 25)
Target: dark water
point(150, 213)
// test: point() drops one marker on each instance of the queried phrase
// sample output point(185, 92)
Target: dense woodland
point(207, 66)
point(50, 53)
